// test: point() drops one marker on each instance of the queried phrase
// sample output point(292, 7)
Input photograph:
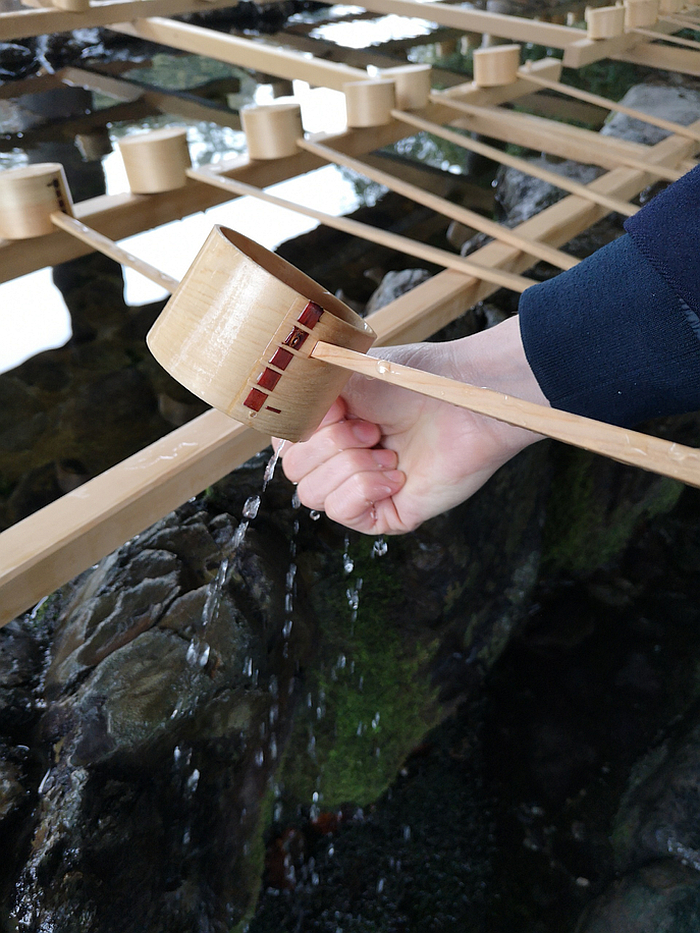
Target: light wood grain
point(599, 101)
point(442, 206)
point(674, 40)
point(109, 248)
point(243, 52)
point(45, 19)
point(631, 447)
point(440, 257)
point(522, 165)
point(566, 141)
point(52, 546)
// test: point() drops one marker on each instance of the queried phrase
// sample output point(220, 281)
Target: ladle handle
point(109, 248)
point(631, 447)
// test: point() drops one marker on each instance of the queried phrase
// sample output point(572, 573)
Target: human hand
point(386, 459)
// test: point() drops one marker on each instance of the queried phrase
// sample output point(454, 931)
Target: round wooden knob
point(496, 65)
point(239, 330)
point(641, 13)
point(156, 161)
point(604, 22)
point(412, 85)
point(28, 197)
point(370, 102)
point(272, 130)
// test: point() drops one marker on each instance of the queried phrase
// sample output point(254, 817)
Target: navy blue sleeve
point(617, 338)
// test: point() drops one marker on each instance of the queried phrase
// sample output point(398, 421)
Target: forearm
point(617, 338)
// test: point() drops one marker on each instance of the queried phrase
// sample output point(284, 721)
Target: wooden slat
point(245, 53)
point(442, 206)
point(22, 24)
point(124, 215)
point(522, 165)
point(55, 544)
point(516, 28)
point(580, 94)
point(663, 57)
point(385, 238)
point(563, 140)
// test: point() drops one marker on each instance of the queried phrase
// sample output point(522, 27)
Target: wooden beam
point(123, 215)
point(42, 20)
point(565, 141)
point(516, 28)
point(52, 546)
point(522, 165)
point(663, 57)
point(385, 238)
point(246, 53)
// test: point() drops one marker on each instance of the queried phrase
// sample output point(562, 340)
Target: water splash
point(348, 562)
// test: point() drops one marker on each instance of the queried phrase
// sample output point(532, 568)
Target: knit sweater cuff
point(612, 340)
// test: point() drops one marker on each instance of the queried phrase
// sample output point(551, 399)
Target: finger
point(336, 412)
point(357, 501)
point(314, 488)
point(303, 458)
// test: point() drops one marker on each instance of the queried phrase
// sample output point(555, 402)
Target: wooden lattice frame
point(50, 547)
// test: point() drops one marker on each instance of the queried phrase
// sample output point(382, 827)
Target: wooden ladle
point(261, 341)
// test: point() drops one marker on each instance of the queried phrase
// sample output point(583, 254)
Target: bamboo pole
point(564, 140)
point(599, 101)
point(674, 40)
point(630, 447)
point(45, 19)
point(242, 52)
point(522, 165)
point(441, 205)
point(516, 283)
point(109, 248)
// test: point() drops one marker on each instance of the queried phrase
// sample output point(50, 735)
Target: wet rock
point(160, 690)
point(17, 61)
point(660, 812)
point(678, 103)
point(663, 897)
point(395, 284)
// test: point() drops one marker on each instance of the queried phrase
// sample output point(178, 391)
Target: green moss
point(369, 702)
point(589, 519)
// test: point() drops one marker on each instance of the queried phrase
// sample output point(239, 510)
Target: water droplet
point(380, 886)
point(198, 652)
point(192, 781)
point(383, 367)
point(270, 467)
point(380, 547)
point(406, 833)
point(353, 598)
point(296, 501)
point(259, 758)
point(248, 667)
point(314, 515)
point(239, 535)
point(273, 747)
point(677, 453)
point(251, 506)
point(287, 628)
